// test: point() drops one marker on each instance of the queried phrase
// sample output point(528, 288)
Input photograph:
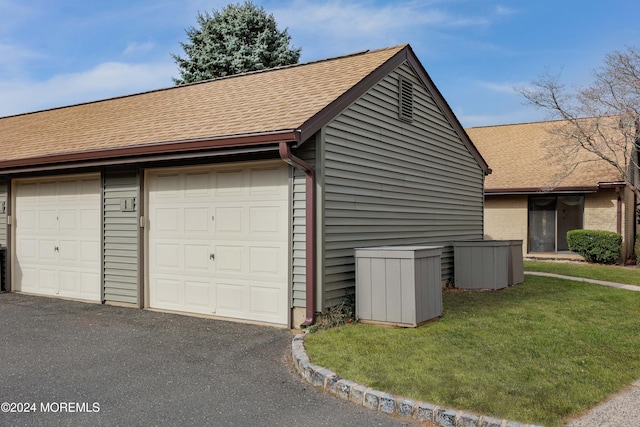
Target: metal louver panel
point(406, 100)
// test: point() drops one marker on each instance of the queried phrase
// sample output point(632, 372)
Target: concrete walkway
point(582, 279)
point(620, 410)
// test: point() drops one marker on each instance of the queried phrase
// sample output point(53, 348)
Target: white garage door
point(218, 241)
point(57, 232)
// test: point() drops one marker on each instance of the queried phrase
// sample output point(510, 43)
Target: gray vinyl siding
point(121, 238)
point(306, 152)
point(392, 182)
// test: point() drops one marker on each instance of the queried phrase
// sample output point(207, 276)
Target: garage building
point(241, 197)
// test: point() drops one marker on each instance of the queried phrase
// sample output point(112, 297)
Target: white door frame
point(146, 226)
point(12, 257)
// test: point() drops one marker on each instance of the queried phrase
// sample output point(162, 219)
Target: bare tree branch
point(602, 118)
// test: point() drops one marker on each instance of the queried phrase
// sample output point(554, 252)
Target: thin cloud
point(505, 87)
point(103, 81)
point(14, 58)
point(366, 18)
point(12, 13)
point(134, 47)
point(505, 11)
point(346, 26)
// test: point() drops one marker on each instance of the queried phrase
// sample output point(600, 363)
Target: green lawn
point(539, 352)
point(628, 275)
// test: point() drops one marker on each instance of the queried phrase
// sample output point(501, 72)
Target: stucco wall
point(505, 218)
point(600, 211)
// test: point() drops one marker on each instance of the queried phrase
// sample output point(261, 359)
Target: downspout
point(310, 228)
point(619, 212)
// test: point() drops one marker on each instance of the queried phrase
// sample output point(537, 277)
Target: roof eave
point(551, 190)
point(167, 148)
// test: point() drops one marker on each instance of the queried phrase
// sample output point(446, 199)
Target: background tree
point(601, 118)
point(240, 38)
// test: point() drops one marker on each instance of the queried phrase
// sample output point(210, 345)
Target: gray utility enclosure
point(398, 285)
point(488, 264)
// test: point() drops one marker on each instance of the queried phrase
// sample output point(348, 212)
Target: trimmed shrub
point(596, 245)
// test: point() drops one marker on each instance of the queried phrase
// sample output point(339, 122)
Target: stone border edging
point(385, 402)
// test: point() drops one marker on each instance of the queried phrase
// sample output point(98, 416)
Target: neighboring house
point(535, 194)
point(241, 197)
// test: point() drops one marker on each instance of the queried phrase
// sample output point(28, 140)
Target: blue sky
point(61, 52)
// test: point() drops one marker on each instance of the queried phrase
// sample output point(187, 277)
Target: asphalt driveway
point(72, 363)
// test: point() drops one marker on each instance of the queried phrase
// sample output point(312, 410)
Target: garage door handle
point(57, 249)
point(212, 256)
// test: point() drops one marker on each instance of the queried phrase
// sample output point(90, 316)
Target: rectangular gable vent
point(406, 100)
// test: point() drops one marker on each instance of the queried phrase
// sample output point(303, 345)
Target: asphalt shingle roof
point(259, 102)
point(525, 156)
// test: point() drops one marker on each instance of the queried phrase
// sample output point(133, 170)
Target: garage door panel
point(89, 188)
point(229, 184)
point(197, 185)
point(68, 252)
point(58, 236)
point(68, 282)
point(260, 301)
point(266, 260)
point(196, 257)
point(47, 280)
point(265, 182)
point(28, 193)
point(228, 220)
point(168, 220)
point(27, 220)
point(47, 221)
point(90, 252)
point(46, 251)
point(196, 219)
point(47, 191)
point(69, 190)
point(168, 291)
point(198, 294)
point(27, 249)
point(230, 299)
point(265, 301)
point(217, 211)
point(89, 219)
point(28, 277)
point(265, 220)
point(179, 294)
point(228, 259)
point(169, 184)
point(167, 256)
point(90, 284)
point(67, 220)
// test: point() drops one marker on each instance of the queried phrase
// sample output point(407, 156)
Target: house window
point(550, 218)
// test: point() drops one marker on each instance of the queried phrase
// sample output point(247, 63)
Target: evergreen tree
point(237, 39)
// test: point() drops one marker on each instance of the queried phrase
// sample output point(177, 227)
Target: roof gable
point(282, 104)
point(524, 157)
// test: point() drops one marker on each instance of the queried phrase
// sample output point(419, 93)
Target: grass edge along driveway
point(540, 352)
